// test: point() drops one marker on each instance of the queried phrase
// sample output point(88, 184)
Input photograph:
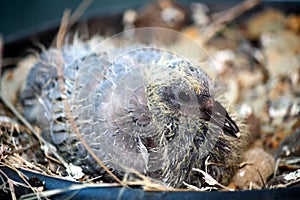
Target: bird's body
point(137, 107)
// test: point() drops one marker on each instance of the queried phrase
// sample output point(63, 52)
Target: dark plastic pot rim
point(51, 183)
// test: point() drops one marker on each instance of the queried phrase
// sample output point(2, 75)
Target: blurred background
point(20, 18)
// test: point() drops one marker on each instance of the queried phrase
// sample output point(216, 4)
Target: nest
point(258, 84)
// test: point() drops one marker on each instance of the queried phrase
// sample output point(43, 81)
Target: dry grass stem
point(60, 40)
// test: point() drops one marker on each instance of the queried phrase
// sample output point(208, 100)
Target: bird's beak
point(220, 117)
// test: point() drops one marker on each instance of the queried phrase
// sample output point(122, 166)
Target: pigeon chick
point(137, 107)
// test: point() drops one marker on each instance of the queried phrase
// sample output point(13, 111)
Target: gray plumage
point(137, 107)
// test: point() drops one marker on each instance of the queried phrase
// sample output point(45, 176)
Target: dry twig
point(221, 19)
point(59, 43)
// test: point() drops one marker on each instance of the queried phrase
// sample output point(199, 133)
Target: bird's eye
point(184, 96)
